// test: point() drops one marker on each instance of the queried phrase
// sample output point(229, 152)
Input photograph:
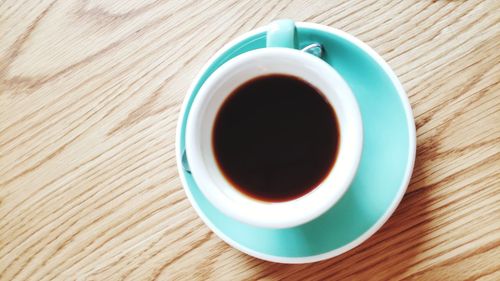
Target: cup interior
point(201, 120)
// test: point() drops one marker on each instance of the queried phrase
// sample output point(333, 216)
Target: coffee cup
point(280, 57)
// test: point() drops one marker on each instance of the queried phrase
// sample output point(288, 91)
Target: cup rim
point(266, 214)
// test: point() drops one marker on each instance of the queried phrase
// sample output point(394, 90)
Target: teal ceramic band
point(281, 33)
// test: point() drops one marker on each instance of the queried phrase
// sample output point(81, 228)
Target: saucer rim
point(390, 210)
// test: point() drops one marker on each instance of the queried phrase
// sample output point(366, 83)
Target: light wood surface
point(90, 93)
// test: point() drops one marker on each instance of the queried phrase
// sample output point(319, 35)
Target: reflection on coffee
point(275, 138)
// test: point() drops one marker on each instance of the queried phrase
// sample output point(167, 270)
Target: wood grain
point(89, 97)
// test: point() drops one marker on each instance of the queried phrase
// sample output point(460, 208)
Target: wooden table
point(90, 93)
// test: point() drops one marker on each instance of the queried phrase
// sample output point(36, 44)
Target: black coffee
point(275, 138)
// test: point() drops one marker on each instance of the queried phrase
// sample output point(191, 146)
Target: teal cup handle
point(281, 33)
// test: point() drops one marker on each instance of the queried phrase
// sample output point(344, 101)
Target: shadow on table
point(387, 255)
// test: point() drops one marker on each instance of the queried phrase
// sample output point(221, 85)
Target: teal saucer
point(384, 171)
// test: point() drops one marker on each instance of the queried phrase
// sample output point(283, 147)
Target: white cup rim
point(200, 121)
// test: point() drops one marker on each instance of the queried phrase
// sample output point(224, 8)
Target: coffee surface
point(275, 138)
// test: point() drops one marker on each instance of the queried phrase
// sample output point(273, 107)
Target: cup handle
point(281, 33)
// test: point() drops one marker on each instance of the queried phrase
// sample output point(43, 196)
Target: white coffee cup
point(202, 162)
